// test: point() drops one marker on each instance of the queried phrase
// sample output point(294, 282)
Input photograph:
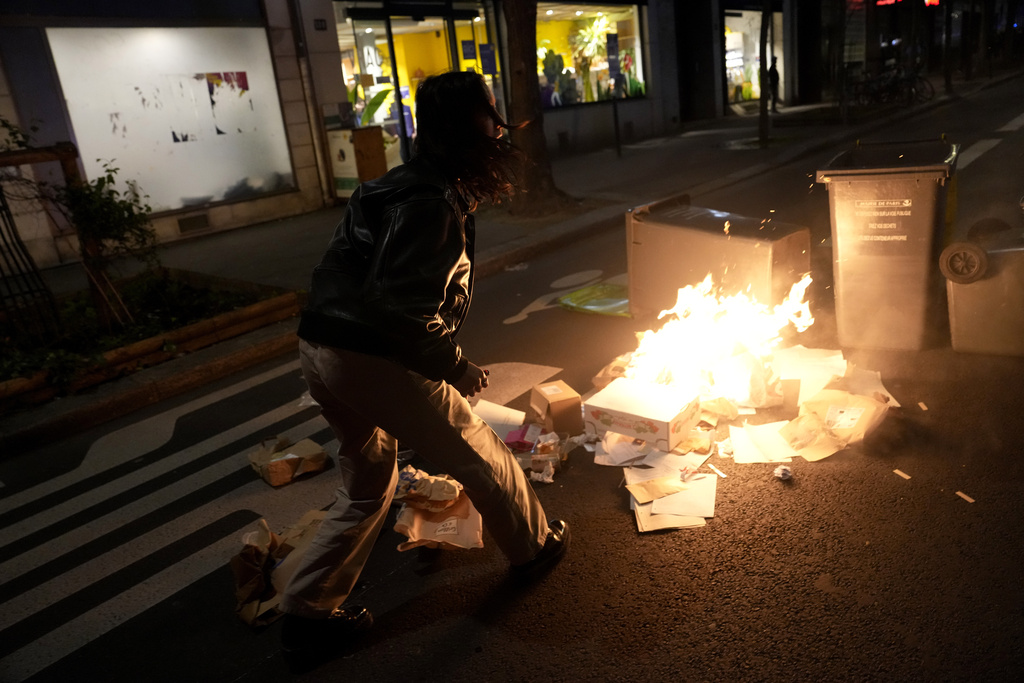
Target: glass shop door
point(385, 56)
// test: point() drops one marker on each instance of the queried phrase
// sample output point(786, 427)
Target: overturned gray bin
point(985, 290)
point(671, 244)
point(888, 205)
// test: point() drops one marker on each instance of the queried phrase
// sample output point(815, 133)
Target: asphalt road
point(114, 567)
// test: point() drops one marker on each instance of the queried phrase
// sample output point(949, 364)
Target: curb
point(151, 386)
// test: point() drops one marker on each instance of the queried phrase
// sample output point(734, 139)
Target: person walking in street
point(379, 353)
point(773, 84)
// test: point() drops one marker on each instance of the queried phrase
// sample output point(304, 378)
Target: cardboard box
point(659, 414)
point(279, 462)
point(558, 406)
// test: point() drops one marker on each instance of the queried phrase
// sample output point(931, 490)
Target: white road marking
point(63, 586)
point(126, 444)
point(82, 630)
point(147, 435)
point(562, 286)
point(103, 492)
point(280, 507)
point(968, 156)
point(1013, 125)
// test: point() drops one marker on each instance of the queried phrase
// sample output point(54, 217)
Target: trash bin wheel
point(963, 262)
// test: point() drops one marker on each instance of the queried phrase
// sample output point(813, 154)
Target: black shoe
point(554, 547)
point(308, 643)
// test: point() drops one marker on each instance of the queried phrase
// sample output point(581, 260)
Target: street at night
point(865, 566)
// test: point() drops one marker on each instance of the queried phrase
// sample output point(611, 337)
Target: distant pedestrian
point(773, 84)
point(379, 354)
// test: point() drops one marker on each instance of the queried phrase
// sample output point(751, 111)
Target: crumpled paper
point(458, 526)
point(265, 564)
point(279, 461)
point(429, 492)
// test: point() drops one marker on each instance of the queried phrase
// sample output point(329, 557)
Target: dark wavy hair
point(450, 108)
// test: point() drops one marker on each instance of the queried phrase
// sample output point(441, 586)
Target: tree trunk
point(537, 191)
point(762, 125)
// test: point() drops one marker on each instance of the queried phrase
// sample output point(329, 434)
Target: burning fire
point(715, 346)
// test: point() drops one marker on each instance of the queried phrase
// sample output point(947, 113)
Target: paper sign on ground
point(813, 367)
point(652, 489)
point(866, 383)
point(747, 450)
point(810, 438)
point(767, 439)
point(698, 500)
point(619, 450)
point(646, 520)
point(499, 418)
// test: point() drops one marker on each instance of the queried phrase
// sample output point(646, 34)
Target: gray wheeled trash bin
point(888, 205)
point(671, 244)
point(985, 290)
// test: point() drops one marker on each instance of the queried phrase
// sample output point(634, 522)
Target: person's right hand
point(472, 382)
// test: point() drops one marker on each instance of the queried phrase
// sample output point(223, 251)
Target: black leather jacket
point(397, 277)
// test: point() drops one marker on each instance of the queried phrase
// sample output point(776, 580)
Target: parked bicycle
point(896, 85)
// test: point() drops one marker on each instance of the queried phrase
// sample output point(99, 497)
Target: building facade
point(229, 113)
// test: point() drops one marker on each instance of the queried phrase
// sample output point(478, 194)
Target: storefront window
point(192, 114)
point(422, 46)
point(588, 53)
point(743, 53)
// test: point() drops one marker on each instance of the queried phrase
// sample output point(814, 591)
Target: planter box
point(280, 305)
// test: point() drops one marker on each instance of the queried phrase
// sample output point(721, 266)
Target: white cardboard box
point(659, 414)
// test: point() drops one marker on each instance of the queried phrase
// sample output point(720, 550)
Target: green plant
point(13, 136)
point(116, 221)
point(162, 303)
point(111, 224)
point(372, 106)
point(589, 42)
point(634, 87)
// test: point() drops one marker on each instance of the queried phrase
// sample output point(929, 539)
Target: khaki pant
point(371, 404)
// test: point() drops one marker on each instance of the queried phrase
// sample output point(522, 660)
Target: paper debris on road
point(813, 367)
point(499, 418)
point(766, 438)
point(278, 461)
point(758, 443)
point(619, 450)
point(646, 520)
point(697, 500)
point(652, 489)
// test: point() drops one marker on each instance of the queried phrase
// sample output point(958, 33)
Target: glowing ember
point(715, 346)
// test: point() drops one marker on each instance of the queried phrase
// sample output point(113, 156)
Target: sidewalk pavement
point(605, 185)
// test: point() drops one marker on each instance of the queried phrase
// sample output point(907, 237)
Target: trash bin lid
point(928, 157)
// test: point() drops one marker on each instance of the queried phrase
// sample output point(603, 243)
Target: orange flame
point(716, 346)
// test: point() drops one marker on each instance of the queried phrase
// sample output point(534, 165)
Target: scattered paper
point(646, 520)
point(674, 461)
point(767, 439)
point(499, 418)
point(619, 450)
point(813, 367)
point(652, 489)
point(865, 383)
point(697, 500)
point(759, 443)
point(811, 438)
